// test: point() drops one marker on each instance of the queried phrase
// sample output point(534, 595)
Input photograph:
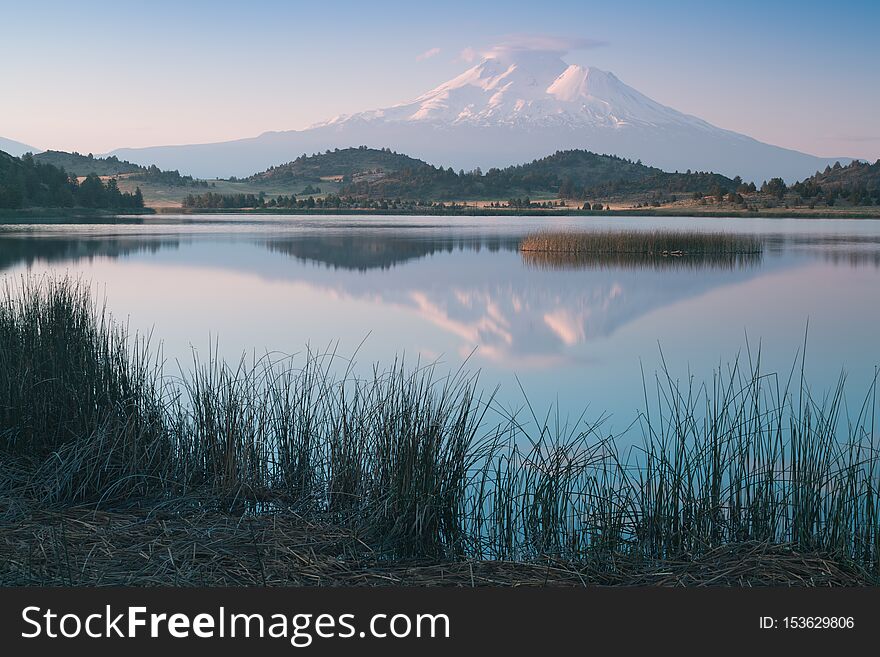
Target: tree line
point(27, 183)
point(331, 201)
point(154, 174)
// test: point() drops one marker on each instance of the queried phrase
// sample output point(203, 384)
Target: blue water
point(456, 290)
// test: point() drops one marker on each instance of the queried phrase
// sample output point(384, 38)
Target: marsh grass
point(640, 249)
point(659, 243)
point(567, 260)
point(418, 465)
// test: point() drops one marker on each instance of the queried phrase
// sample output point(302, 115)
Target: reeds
point(76, 392)
point(637, 249)
point(417, 465)
point(659, 243)
point(568, 260)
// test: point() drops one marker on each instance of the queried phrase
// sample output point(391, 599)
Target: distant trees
point(213, 201)
point(857, 183)
point(566, 188)
point(775, 187)
point(154, 174)
point(93, 193)
point(80, 165)
point(332, 202)
point(26, 183)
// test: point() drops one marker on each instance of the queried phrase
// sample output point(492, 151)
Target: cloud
point(468, 54)
point(432, 52)
point(548, 42)
point(514, 43)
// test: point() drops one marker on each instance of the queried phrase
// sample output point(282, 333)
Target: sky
point(92, 77)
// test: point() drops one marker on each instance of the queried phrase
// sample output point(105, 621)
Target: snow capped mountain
point(530, 89)
point(511, 107)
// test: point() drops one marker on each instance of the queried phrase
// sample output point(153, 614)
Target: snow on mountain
point(512, 107)
point(530, 89)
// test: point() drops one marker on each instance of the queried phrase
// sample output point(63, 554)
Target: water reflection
point(365, 251)
point(515, 315)
point(27, 250)
point(572, 331)
point(520, 309)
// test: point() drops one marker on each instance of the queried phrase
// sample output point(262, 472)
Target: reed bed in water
point(408, 466)
point(568, 260)
point(658, 243)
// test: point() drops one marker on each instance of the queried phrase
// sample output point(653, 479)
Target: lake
point(571, 336)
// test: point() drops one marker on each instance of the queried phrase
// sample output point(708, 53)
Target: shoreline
point(523, 212)
point(177, 547)
point(47, 215)
point(82, 215)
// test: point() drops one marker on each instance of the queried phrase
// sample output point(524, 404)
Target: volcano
point(510, 108)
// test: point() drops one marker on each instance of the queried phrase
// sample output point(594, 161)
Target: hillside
point(858, 177)
point(381, 179)
point(27, 183)
point(82, 165)
point(573, 174)
point(337, 164)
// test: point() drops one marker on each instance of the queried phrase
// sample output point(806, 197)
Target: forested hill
point(578, 174)
point(338, 164)
point(27, 183)
point(82, 165)
point(575, 174)
point(583, 174)
point(857, 181)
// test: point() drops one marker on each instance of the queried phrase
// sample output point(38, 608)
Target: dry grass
point(84, 547)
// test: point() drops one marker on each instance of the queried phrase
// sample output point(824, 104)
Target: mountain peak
point(529, 88)
point(573, 83)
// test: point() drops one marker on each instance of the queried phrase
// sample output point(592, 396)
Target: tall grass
point(640, 249)
point(418, 463)
point(77, 391)
point(643, 242)
point(567, 260)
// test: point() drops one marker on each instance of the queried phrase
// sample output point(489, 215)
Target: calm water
point(576, 335)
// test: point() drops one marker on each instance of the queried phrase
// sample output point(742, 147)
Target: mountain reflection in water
point(573, 329)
